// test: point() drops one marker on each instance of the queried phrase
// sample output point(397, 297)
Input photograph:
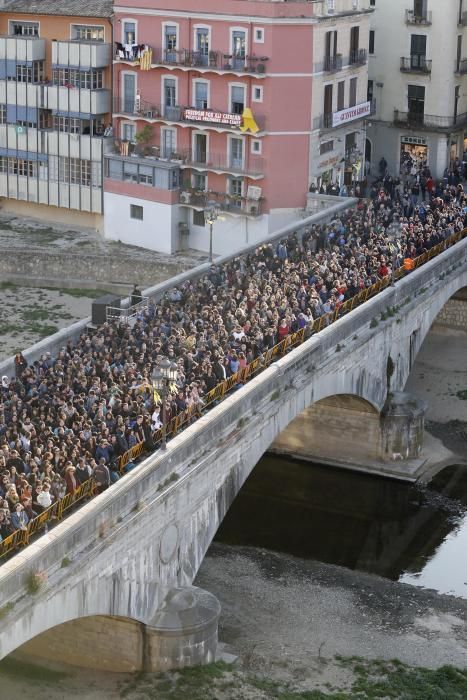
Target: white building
point(417, 71)
point(340, 103)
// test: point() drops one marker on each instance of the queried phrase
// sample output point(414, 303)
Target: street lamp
point(211, 214)
point(163, 375)
point(394, 232)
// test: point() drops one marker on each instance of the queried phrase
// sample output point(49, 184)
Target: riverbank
point(286, 619)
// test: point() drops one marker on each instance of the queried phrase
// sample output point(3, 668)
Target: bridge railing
point(88, 488)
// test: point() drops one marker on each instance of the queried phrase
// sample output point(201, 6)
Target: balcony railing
point(461, 66)
point(231, 204)
point(429, 121)
point(215, 60)
point(331, 64)
point(251, 166)
point(178, 113)
point(416, 64)
point(423, 19)
point(358, 57)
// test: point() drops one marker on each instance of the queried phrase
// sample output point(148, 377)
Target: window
point(129, 33)
point(416, 102)
point(353, 92)
point(372, 3)
point(258, 35)
point(2, 114)
point(129, 93)
point(130, 172)
point(198, 218)
point(340, 95)
point(78, 172)
point(237, 99)
point(199, 182)
point(87, 32)
point(256, 147)
point(146, 175)
point(331, 6)
point(235, 186)
point(24, 28)
point(236, 153)
point(78, 78)
point(418, 51)
point(201, 94)
point(69, 125)
point(354, 44)
point(168, 142)
point(371, 46)
point(238, 48)
point(202, 45)
point(30, 74)
point(326, 147)
point(257, 93)
point(327, 108)
point(370, 90)
point(128, 131)
point(136, 212)
point(18, 166)
point(170, 42)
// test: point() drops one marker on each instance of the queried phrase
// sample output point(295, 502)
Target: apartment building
point(221, 106)
point(340, 106)
point(417, 70)
point(55, 107)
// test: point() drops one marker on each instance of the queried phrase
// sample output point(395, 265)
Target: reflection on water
point(407, 533)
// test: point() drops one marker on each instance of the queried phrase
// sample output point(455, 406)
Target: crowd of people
point(68, 417)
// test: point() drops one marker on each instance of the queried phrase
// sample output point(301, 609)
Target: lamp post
point(394, 231)
point(211, 214)
point(163, 375)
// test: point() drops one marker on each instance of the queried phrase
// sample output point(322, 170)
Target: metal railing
point(423, 19)
point(358, 57)
point(331, 64)
point(429, 121)
point(115, 313)
point(214, 60)
point(87, 489)
point(249, 165)
point(416, 64)
point(227, 203)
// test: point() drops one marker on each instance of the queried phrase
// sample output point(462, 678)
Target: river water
point(413, 534)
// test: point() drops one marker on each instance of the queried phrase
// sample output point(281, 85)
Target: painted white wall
point(158, 230)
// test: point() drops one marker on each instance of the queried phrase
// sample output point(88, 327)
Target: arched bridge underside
point(149, 533)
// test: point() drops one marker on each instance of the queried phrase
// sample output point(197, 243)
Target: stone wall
point(454, 314)
point(43, 268)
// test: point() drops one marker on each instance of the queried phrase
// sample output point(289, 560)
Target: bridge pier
point(182, 632)
point(347, 431)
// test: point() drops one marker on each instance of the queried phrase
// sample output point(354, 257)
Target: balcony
point(22, 94)
point(142, 109)
point(429, 121)
point(85, 54)
point(246, 206)
point(189, 60)
point(78, 100)
point(332, 64)
point(252, 166)
point(461, 67)
point(358, 57)
point(416, 64)
point(22, 48)
point(423, 19)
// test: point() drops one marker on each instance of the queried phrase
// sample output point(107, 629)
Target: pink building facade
point(212, 103)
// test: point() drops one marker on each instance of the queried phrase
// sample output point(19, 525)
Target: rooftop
point(73, 8)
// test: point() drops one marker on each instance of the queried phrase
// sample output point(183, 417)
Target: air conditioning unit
point(252, 207)
point(185, 197)
point(253, 192)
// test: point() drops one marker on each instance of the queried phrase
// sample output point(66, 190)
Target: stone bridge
point(119, 571)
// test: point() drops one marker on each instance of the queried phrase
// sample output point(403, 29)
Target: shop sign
point(351, 113)
point(417, 140)
point(209, 115)
point(329, 162)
